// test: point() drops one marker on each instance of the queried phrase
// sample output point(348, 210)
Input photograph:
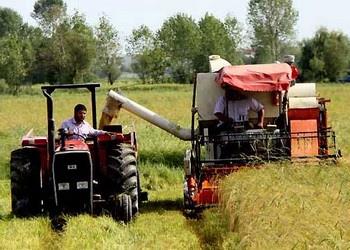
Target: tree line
point(63, 48)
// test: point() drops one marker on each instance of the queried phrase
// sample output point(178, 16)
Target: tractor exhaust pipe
point(116, 101)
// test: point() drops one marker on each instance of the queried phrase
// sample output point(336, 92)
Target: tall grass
point(285, 207)
point(281, 206)
point(339, 113)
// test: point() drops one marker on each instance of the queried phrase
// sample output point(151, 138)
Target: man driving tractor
point(77, 127)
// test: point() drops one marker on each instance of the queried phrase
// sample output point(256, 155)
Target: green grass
point(281, 206)
point(160, 225)
point(339, 113)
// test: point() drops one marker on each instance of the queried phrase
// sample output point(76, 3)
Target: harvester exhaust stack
point(116, 101)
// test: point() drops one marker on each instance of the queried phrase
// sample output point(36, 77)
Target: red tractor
point(64, 175)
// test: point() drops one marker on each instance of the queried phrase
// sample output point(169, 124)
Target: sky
point(127, 15)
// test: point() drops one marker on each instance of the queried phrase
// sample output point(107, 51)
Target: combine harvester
point(295, 126)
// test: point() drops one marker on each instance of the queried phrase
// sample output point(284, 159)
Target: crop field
point(281, 206)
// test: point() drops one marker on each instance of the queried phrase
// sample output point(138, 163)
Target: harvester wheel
point(122, 208)
point(25, 182)
point(122, 170)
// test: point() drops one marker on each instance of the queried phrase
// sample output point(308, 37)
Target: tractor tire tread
point(122, 169)
point(25, 182)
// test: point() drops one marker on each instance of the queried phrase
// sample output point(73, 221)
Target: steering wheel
point(81, 136)
point(64, 133)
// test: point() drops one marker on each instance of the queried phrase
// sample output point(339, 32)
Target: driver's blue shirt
point(83, 129)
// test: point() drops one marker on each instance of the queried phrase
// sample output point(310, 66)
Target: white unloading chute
point(116, 101)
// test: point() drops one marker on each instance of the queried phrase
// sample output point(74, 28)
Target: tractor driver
point(232, 110)
point(77, 127)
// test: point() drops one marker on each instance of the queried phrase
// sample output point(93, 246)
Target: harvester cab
point(66, 175)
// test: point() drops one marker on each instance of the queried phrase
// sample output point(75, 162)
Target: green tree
point(33, 40)
point(140, 40)
point(180, 38)
point(68, 54)
point(50, 52)
point(31, 37)
point(325, 57)
point(217, 38)
point(10, 22)
point(12, 65)
point(148, 59)
point(234, 31)
point(16, 49)
point(272, 23)
point(49, 14)
point(108, 50)
point(76, 49)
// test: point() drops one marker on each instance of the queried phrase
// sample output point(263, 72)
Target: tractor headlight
point(82, 185)
point(63, 186)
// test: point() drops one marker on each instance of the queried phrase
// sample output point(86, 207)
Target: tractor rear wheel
point(122, 208)
point(122, 171)
point(25, 182)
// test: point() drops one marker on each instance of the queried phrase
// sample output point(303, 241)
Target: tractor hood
point(74, 145)
point(259, 77)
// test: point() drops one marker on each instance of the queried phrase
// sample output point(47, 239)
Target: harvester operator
point(290, 60)
point(77, 127)
point(232, 110)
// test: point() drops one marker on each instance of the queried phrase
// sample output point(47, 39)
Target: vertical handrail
point(50, 124)
point(93, 104)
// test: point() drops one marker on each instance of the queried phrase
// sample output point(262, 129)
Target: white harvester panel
point(207, 94)
point(302, 95)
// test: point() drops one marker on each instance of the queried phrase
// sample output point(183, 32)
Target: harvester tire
point(122, 208)
point(25, 182)
point(122, 171)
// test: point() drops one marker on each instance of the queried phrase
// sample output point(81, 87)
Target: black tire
point(25, 182)
point(122, 208)
point(122, 171)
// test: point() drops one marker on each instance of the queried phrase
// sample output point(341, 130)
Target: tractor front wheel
point(122, 208)
point(122, 171)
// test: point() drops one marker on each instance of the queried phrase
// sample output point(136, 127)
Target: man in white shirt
point(233, 109)
point(77, 126)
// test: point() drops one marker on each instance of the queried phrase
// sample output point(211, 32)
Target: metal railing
point(260, 146)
